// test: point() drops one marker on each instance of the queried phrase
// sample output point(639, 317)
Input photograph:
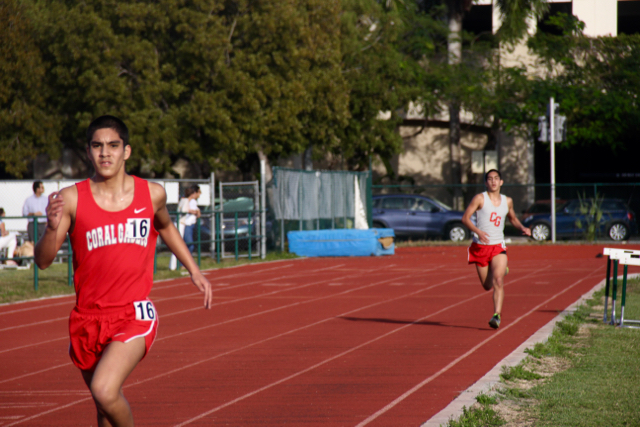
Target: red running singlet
point(113, 251)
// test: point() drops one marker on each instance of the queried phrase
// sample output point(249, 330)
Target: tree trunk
point(454, 46)
point(268, 171)
point(307, 160)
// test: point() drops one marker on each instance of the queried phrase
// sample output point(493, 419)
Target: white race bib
point(137, 228)
point(144, 310)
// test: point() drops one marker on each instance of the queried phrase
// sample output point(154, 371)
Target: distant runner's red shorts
point(92, 330)
point(483, 254)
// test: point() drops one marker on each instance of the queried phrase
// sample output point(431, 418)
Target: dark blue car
point(418, 216)
point(618, 222)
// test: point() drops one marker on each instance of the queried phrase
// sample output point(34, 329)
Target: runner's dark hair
point(108, 122)
point(486, 175)
point(191, 189)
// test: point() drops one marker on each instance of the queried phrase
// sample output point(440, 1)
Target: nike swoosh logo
point(137, 211)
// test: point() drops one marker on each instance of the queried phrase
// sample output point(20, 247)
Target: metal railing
point(31, 259)
point(216, 241)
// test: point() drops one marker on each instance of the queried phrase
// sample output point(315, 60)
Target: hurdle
point(613, 257)
point(626, 260)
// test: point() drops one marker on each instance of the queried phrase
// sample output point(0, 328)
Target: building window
point(629, 17)
point(478, 20)
point(554, 9)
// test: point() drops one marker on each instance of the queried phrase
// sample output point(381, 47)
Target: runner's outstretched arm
point(514, 219)
point(171, 237)
point(61, 206)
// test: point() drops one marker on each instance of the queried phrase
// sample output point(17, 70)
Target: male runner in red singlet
point(488, 250)
point(113, 221)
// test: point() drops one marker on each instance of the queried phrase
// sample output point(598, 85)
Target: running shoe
point(506, 272)
point(495, 321)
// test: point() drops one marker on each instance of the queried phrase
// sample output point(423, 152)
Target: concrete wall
point(600, 16)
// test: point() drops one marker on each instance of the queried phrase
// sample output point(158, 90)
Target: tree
point(514, 15)
point(288, 53)
point(380, 79)
point(26, 126)
point(214, 82)
point(596, 81)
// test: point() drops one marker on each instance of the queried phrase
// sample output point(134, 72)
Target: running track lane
point(384, 341)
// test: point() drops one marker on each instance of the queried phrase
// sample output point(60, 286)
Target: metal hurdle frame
point(625, 257)
point(626, 260)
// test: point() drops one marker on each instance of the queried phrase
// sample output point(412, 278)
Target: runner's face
point(108, 152)
point(493, 182)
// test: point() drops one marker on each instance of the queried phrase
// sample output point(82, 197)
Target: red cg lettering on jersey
point(495, 219)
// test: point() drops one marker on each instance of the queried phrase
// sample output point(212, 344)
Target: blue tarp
point(340, 242)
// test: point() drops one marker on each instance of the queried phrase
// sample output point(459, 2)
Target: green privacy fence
point(317, 200)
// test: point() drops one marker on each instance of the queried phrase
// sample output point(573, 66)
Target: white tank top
point(491, 220)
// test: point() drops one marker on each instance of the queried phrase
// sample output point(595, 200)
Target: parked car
point(418, 216)
point(618, 222)
point(242, 209)
point(541, 206)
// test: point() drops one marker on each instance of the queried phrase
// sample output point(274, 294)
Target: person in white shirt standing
point(183, 208)
point(193, 213)
point(36, 205)
point(488, 250)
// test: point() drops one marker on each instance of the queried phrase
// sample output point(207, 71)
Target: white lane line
point(265, 294)
point(351, 350)
point(36, 373)
point(72, 296)
point(282, 307)
point(184, 367)
point(44, 392)
point(14, 405)
point(38, 307)
point(484, 384)
point(194, 309)
point(296, 275)
point(34, 324)
point(468, 353)
point(34, 344)
point(186, 281)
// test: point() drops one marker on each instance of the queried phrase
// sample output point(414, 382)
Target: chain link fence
point(237, 220)
point(523, 195)
point(230, 241)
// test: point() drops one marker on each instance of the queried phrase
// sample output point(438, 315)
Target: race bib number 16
point(145, 310)
point(137, 228)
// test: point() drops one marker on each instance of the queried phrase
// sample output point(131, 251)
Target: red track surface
point(384, 341)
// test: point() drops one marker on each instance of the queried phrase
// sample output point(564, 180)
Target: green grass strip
point(601, 387)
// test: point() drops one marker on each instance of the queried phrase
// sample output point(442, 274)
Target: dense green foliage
point(221, 82)
point(26, 126)
point(596, 81)
point(214, 82)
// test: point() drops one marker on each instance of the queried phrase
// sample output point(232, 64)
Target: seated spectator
point(7, 240)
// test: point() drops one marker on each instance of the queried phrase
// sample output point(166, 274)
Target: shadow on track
point(407, 322)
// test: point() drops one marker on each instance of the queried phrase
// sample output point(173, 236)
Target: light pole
point(552, 108)
point(552, 129)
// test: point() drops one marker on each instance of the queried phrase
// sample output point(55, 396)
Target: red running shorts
point(92, 330)
point(483, 254)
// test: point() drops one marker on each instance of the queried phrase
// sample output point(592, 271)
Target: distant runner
point(488, 250)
